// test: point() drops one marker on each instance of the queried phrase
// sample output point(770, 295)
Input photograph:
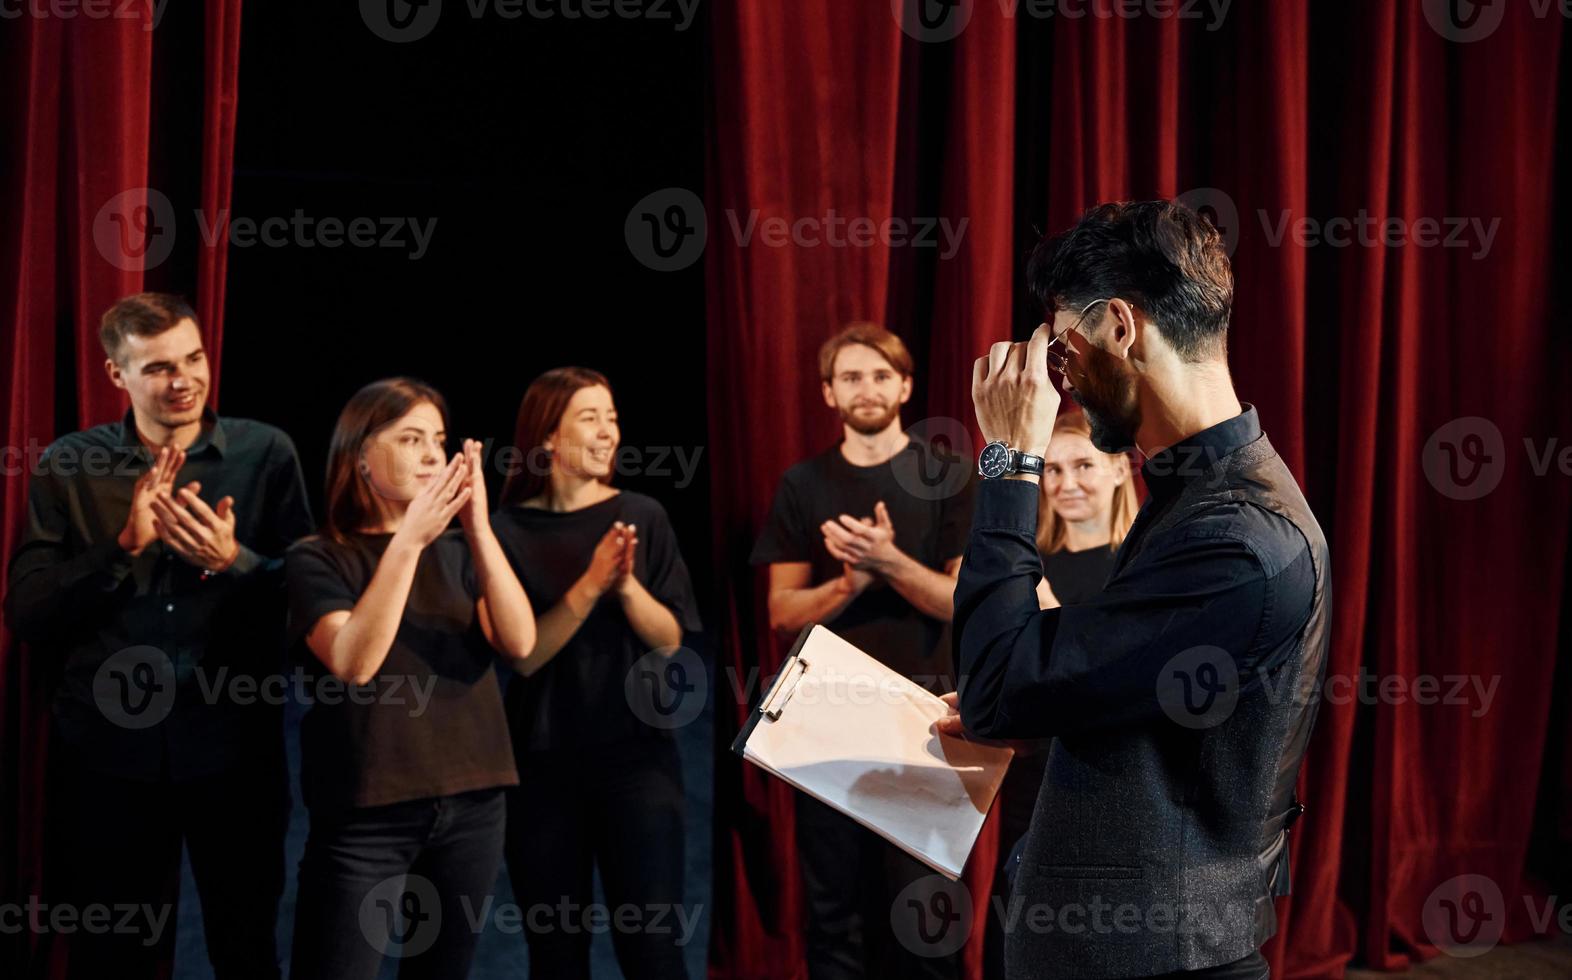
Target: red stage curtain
point(814, 114)
point(1356, 356)
point(85, 230)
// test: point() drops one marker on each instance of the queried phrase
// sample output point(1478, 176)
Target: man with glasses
point(1180, 699)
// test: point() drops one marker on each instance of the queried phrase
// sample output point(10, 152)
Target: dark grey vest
point(1159, 848)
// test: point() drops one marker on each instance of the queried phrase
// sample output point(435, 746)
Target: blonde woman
point(1085, 509)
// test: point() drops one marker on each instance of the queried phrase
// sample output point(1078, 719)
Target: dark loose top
point(930, 519)
point(1076, 576)
point(180, 642)
point(577, 703)
point(430, 722)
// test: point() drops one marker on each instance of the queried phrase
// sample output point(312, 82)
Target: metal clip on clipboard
point(776, 703)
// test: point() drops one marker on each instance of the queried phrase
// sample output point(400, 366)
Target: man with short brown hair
point(160, 608)
point(865, 538)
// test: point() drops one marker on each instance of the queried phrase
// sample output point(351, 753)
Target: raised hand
point(866, 545)
point(141, 528)
point(201, 535)
point(609, 560)
point(475, 515)
point(1014, 393)
point(434, 508)
point(627, 582)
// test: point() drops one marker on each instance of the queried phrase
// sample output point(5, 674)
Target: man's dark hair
point(141, 315)
point(1160, 256)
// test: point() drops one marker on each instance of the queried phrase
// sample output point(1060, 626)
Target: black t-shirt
point(1076, 576)
point(577, 703)
point(931, 519)
point(431, 721)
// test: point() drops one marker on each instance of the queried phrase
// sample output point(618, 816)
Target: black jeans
point(622, 810)
point(115, 843)
point(409, 880)
point(852, 878)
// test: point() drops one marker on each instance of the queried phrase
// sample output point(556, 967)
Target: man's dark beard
point(1108, 432)
point(862, 426)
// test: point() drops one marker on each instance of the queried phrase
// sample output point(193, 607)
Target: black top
point(1181, 699)
point(578, 702)
point(1238, 578)
point(930, 522)
point(430, 722)
point(1076, 576)
point(78, 597)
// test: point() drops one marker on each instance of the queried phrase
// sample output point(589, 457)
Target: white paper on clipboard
point(848, 730)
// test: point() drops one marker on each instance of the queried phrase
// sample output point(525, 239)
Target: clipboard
point(854, 734)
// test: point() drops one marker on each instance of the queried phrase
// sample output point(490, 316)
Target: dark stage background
point(530, 141)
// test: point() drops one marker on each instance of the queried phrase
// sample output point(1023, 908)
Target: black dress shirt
point(1234, 577)
point(144, 652)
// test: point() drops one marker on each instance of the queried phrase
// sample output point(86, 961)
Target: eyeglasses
point(1059, 348)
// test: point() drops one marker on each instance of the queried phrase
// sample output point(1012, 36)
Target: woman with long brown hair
point(403, 771)
point(599, 783)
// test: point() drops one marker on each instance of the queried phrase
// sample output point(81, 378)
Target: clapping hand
point(433, 509)
point(204, 536)
point(141, 528)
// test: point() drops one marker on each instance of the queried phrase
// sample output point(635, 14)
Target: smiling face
point(401, 458)
point(584, 444)
point(866, 389)
point(1078, 480)
point(165, 374)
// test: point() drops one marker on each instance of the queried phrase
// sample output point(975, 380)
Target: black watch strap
point(1026, 463)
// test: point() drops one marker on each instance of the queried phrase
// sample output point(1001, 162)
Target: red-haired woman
point(598, 785)
point(403, 770)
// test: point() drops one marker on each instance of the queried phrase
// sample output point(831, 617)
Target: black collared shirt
point(157, 671)
point(1235, 577)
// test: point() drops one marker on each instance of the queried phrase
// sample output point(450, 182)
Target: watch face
point(994, 461)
